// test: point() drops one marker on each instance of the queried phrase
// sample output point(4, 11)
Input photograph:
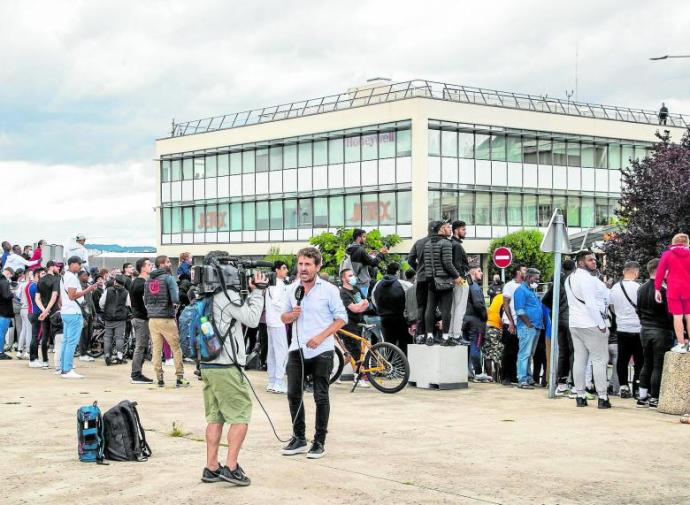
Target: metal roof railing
point(361, 97)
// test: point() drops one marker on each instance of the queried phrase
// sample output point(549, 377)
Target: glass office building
point(393, 156)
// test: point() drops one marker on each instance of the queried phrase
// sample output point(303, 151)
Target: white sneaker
point(86, 358)
point(482, 377)
point(35, 364)
point(45, 365)
point(19, 354)
point(363, 383)
point(57, 371)
point(270, 387)
point(280, 388)
point(71, 375)
point(680, 348)
point(26, 355)
point(169, 362)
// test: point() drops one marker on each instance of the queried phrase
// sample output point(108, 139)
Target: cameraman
point(312, 346)
point(226, 391)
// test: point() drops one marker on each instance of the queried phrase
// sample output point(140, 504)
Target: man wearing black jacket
point(442, 277)
point(361, 260)
point(460, 291)
point(416, 260)
point(6, 309)
point(656, 335)
point(389, 298)
point(475, 323)
point(565, 340)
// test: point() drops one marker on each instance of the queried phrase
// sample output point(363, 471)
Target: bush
point(525, 246)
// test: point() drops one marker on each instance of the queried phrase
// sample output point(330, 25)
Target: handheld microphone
point(299, 294)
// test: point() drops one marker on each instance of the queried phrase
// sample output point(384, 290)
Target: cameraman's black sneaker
point(236, 476)
point(581, 401)
point(140, 379)
point(604, 404)
point(210, 476)
point(295, 446)
point(316, 451)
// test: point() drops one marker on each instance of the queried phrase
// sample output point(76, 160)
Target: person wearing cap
point(77, 248)
point(15, 260)
point(71, 298)
point(115, 304)
point(6, 308)
point(441, 276)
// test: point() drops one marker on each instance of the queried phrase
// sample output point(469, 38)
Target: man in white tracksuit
point(587, 307)
point(77, 248)
point(276, 358)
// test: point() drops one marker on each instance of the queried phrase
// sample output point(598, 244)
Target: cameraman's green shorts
point(226, 396)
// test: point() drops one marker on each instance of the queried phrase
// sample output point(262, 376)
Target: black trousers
point(629, 346)
point(539, 358)
point(511, 345)
point(48, 332)
point(565, 353)
point(422, 294)
point(35, 331)
point(319, 367)
point(86, 333)
point(444, 301)
point(655, 343)
point(263, 342)
point(395, 331)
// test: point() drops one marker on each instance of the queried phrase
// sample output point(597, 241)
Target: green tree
point(333, 245)
point(525, 246)
point(274, 254)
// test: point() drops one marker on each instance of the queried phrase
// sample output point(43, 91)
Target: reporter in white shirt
point(587, 306)
point(276, 358)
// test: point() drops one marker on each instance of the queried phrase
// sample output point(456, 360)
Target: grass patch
point(177, 431)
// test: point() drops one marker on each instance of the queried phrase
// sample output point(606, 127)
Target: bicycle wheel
point(338, 364)
point(96, 344)
point(391, 368)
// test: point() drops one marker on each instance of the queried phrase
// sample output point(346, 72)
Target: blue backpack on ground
point(195, 343)
point(90, 434)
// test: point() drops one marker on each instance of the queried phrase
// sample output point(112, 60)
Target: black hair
point(140, 264)
point(125, 265)
point(652, 265)
point(569, 266)
point(278, 264)
point(393, 268)
point(458, 224)
point(358, 232)
point(409, 274)
point(582, 255)
point(516, 268)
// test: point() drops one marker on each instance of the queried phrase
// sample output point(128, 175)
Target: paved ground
point(488, 444)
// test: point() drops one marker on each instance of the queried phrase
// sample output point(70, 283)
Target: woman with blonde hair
point(674, 268)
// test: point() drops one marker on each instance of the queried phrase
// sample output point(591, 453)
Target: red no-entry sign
point(503, 257)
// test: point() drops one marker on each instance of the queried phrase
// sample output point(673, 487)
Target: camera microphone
point(299, 294)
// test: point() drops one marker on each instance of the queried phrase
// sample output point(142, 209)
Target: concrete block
point(438, 367)
point(674, 393)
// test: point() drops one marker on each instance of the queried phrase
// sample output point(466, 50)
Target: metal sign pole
point(503, 275)
point(558, 223)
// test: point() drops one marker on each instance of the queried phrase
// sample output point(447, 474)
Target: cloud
point(109, 203)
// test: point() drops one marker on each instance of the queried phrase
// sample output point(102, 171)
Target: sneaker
point(169, 362)
point(280, 388)
point(57, 371)
point(140, 379)
point(270, 388)
point(642, 403)
point(604, 404)
point(45, 365)
point(108, 361)
point(482, 377)
point(680, 348)
point(653, 403)
point(182, 383)
point(589, 395)
point(236, 476)
point(429, 340)
point(561, 390)
point(71, 375)
point(161, 384)
point(625, 392)
point(295, 446)
point(86, 358)
point(210, 476)
point(580, 401)
point(4, 355)
point(525, 385)
point(506, 382)
point(35, 364)
point(26, 355)
point(19, 354)
point(448, 341)
point(363, 382)
point(316, 451)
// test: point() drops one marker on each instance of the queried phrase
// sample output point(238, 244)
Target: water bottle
point(206, 327)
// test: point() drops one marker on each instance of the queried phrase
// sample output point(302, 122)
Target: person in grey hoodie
point(227, 398)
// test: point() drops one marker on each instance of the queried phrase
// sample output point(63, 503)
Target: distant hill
point(120, 249)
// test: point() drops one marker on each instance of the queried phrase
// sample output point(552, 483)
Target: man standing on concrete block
point(416, 260)
point(587, 312)
point(460, 291)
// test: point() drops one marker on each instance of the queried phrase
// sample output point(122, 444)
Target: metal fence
point(424, 89)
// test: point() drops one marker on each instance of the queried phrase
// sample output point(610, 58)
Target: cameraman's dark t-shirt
point(46, 286)
point(349, 296)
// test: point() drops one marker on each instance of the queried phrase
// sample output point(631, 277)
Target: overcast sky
point(87, 86)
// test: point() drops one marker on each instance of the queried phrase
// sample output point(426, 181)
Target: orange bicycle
point(383, 363)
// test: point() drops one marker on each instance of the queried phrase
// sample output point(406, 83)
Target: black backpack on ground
point(123, 434)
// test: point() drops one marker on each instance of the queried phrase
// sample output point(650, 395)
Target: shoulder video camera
point(229, 272)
